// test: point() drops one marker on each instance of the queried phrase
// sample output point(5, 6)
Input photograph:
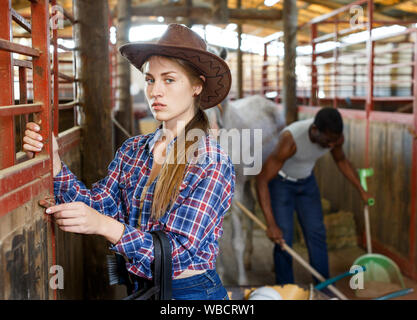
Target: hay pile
point(340, 228)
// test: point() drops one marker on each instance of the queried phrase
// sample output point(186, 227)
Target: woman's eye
point(169, 80)
point(149, 81)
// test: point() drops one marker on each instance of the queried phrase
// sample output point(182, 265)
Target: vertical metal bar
point(75, 72)
point(23, 119)
point(252, 74)
point(55, 110)
point(265, 70)
point(355, 79)
point(412, 230)
point(336, 67)
point(369, 98)
point(111, 63)
point(42, 89)
point(277, 98)
point(7, 139)
point(314, 88)
point(239, 62)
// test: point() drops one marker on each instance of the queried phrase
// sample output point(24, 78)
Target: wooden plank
point(14, 177)
point(18, 109)
point(18, 48)
point(21, 21)
point(26, 193)
point(69, 139)
point(22, 63)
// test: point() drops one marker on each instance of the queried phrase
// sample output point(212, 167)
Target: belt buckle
point(286, 177)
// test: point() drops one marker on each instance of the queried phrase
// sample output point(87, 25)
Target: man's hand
point(275, 234)
point(366, 196)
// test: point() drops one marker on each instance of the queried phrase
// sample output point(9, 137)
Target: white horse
point(253, 112)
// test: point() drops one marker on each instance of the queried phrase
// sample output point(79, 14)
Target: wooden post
point(239, 62)
point(188, 20)
point(290, 42)
point(314, 87)
point(124, 113)
point(265, 70)
point(336, 65)
point(239, 57)
point(92, 38)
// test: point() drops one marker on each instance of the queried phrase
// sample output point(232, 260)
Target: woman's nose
point(157, 89)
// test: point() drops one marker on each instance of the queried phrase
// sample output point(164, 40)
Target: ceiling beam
point(206, 15)
point(334, 5)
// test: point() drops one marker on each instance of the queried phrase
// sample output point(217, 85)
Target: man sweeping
point(286, 184)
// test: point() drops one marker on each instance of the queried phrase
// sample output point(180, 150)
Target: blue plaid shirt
point(193, 223)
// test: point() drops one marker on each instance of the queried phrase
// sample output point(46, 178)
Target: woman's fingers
point(70, 222)
point(67, 214)
point(32, 143)
point(33, 126)
point(33, 135)
point(32, 139)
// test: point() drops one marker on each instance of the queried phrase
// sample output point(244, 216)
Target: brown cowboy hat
point(178, 41)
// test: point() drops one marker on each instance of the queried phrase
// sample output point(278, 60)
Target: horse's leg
point(248, 202)
point(238, 241)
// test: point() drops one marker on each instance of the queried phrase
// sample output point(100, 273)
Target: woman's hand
point(33, 143)
point(78, 217)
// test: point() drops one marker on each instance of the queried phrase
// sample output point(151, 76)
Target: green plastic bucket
point(380, 270)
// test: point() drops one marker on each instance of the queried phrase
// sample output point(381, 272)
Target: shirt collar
point(155, 137)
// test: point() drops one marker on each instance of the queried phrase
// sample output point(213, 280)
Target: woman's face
point(169, 91)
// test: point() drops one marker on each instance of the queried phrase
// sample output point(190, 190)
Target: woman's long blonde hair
point(173, 170)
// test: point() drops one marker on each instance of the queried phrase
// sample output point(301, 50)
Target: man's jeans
point(303, 197)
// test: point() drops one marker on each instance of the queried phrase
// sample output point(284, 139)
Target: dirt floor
point(262, 273)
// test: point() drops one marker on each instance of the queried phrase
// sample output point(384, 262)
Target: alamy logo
point(356, 282)
point(57, 280)
point(358, 17)
point(57, 17)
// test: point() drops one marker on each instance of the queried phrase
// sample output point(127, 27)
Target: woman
point(161, 181)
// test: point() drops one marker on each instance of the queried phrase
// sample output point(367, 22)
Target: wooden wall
point(26, 253)
point(390, 155)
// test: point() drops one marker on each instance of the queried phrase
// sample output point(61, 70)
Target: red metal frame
point(265, 70)
point(7, 156)
point(21, 182)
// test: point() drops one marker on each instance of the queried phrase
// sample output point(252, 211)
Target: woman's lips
point(158, 106)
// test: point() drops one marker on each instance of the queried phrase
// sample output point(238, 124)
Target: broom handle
point(294, 254)
point(367, 230)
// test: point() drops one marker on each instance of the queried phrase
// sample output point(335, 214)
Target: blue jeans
point(303, 197)
point(205, 286)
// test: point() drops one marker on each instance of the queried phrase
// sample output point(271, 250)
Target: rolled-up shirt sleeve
point(205, 196)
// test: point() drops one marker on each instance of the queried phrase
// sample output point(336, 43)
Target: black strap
point(158, 257)
point(161, 286)
point(166, 266)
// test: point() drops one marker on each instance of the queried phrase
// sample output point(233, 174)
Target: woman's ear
point(199, 87)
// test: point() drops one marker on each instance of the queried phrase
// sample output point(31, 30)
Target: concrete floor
point(262, 273)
